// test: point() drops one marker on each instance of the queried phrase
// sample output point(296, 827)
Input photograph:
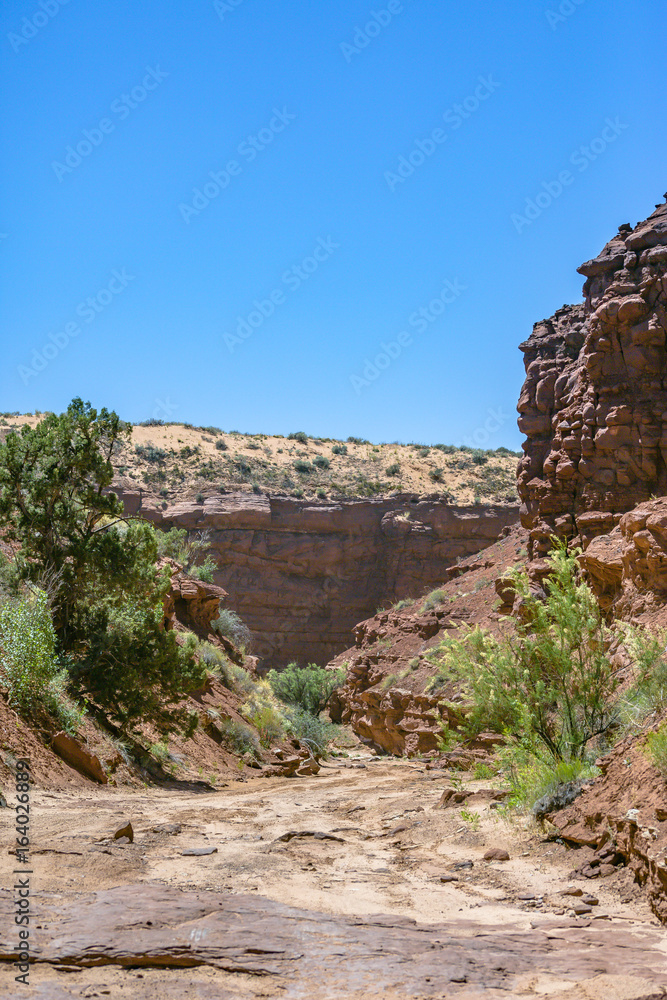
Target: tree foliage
point(552, 678)
point(105, 591)
point(308, 687)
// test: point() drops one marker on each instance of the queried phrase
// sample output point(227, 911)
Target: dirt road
point(370, 841)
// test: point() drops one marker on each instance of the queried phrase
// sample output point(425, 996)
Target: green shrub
point(221, 446)
point(446, 449)
point(307, 687)
point(434, 600)
point(310, 729)
point(479, 457)
point(656, 748)
point(339, 449)
point(532, 771)
point(263, 711)
point(229, 624)
point(551, 681)
point(321, 462)
point(435, 475)
point(27, 649)
point(302, 466)
point(407, 602)
point(238, 737)
point(394, 469)
point(150, 453)
point(356, 440)
point(298, 436)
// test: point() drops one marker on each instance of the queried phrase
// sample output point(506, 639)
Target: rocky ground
point(272, 888)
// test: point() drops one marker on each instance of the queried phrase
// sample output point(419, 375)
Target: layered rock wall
point(301, 575)
point(594, 403)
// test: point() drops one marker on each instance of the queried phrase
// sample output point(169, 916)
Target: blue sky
point(203, 216)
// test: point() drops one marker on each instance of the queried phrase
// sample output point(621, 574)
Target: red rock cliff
point(302, 575)
point(594, 403)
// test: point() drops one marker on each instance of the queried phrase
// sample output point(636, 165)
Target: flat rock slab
point(305, 953)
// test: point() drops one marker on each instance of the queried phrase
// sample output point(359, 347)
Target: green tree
point(308, 687)
point(106, 593)
point(552, 678)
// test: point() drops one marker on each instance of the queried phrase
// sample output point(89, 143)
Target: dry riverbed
point(364, 837)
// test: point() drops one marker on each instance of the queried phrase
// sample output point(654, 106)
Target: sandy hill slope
point(180, 462)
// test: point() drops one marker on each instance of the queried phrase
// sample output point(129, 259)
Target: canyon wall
point(303, 574)
point(594, 403)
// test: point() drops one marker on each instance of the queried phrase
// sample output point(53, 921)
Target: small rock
point(198, 852)
point(122, 841)
point(572, 890)
point(590, 900)
point(526, 896)
point(125, 831)
point(496, 854)
point(171, 828)
point(581, 909)
point(607, 870)
point(462, 865)
point(449, 878)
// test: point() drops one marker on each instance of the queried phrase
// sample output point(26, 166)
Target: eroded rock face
point(625, 809)
point(594, 403)
point(302, 574)
point(627, 568)
point(299, 953)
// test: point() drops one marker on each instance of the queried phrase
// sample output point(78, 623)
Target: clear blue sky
point(170, 92)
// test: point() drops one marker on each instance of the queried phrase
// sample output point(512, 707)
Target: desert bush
point(150, 453)
point(446, 449)
point(407, 602)
point(434, 600)
point(298, 436)
point(310, 729)
point(479, 457)
point(339, 449)
point(221, 446)
point(229, 624)
point(656, 748)
point(307, 687)
point(321, 462)
point(435, 475)
point(302, 466)
point(532, 771)
point(238, 737)
point(393, 469)
point(356, 440)
point(263, 711)
point(552, 680)
point(27, 648)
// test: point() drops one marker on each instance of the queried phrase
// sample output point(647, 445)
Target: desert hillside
point(181, 462)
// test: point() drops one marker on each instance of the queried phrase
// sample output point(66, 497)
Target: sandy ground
point(391, 848)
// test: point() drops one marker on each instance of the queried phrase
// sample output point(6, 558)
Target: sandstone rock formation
point(628, 566)
point(594, 403)
point(387, 697)
point(303, 953)
point(625, 809)
point(302, 574)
